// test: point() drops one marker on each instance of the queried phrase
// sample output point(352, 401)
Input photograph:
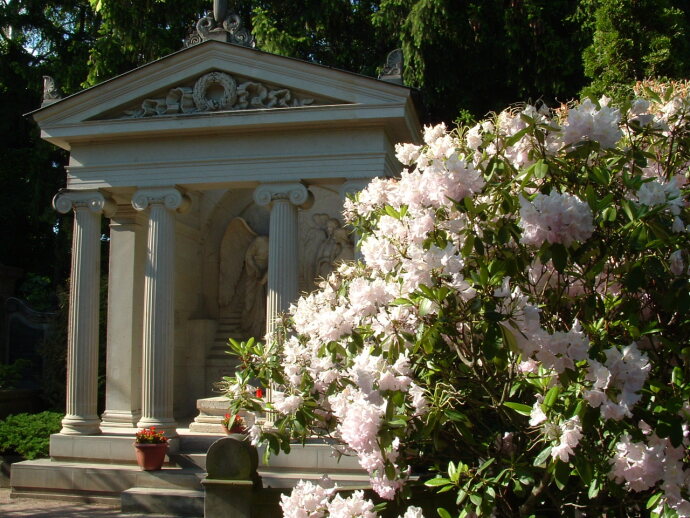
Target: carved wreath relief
point(218, 91)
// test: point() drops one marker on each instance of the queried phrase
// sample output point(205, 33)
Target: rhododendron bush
point(517, 333)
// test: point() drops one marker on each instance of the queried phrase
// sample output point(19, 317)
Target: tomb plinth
point(212, 410)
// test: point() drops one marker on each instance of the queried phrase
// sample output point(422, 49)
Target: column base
point(76, 425)
point(120, 419)
point(169, 426)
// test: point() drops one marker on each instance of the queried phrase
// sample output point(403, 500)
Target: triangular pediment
point(217, 91)
point(216, 77)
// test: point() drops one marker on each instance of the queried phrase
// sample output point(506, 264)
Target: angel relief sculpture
point(326, 245)
point(243, 277)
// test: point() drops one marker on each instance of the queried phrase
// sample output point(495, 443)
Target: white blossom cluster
point(309, 500)
point(623, 374)
point(556, 218)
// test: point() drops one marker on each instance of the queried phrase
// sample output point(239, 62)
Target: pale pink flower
point(571, 433)
point(407, 153)
point(587, 122)
point(537, 415)
point(556, 218)
point(354, 506)
point(637, 465)
point(413, 512)
point(307, 500)
point(676, 263)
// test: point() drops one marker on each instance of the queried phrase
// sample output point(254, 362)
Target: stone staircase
point(218, 363)
point(109, 474)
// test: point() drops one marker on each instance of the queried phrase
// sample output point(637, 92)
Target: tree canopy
point(467, 58)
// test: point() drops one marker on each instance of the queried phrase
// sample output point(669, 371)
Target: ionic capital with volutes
point(296, 193)
point(65, 201)
point(170, 198)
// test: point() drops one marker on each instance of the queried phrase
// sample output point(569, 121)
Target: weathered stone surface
point(232, 458)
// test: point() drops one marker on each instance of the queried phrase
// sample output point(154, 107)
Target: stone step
point(98, 479)
point(172, 502)
point(198, 443)
point(221, 339)
point(282, 479)
point(318, 457)
point(190, 460)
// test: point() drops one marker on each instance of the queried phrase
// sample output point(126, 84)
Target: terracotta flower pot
point(150, 457)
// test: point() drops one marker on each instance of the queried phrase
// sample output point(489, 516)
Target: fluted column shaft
point(283, 199)
point(82, 336)
point(283, 257)
point(125, 315)
point(159, 296)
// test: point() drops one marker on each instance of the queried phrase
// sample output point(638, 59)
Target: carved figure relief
point(243, 276)
point(218, 91)
point(326, 245)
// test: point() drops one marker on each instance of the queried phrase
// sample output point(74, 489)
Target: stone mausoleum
point(220, 171)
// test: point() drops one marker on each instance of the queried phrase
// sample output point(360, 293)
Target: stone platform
point(102, 469)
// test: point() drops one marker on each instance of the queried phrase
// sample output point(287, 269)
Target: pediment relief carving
point(215, 92)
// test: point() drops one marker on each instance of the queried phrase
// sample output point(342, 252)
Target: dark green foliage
point(38, 38)
point(634, 40)
point(28, 435)
point(11, 373)
point(134, 32)
point(481, 55)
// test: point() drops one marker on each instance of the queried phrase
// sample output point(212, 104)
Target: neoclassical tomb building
point(221, 172)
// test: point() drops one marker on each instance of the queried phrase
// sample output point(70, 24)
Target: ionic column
point(159, 296)
point(283, 199)
point(352, 186)
point(82, 334)
point(125, 319)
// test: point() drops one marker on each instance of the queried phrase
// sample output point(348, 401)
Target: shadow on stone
point(232, 481)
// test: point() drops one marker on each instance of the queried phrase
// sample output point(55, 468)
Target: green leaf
point(486, 464)
point(519, 407)
point(677, 376)
point(540, 169)
point(551, 397)
point(438, 481)
point(392, 212)
point(627, 208)
point(559, 255)
point(541, 458)
point(651, 503)
point(425, 307)
point(593, 489)
point(561, 474)
point(476, 499)
point(584, 469)
point(443, 513)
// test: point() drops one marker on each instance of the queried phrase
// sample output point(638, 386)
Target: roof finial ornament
point(393, 69)
point(51, 91)
point(224, 25)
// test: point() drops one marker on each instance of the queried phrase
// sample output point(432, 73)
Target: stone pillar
point(82, 337)
point(283, 199)
point(125, 319)
point(352, 186)
point(159, 310)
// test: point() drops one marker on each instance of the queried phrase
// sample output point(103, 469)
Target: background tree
point(634, 40)
point(36, 39)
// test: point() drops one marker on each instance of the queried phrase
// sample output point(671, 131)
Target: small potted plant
point(233, 423)
point(151, 446)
